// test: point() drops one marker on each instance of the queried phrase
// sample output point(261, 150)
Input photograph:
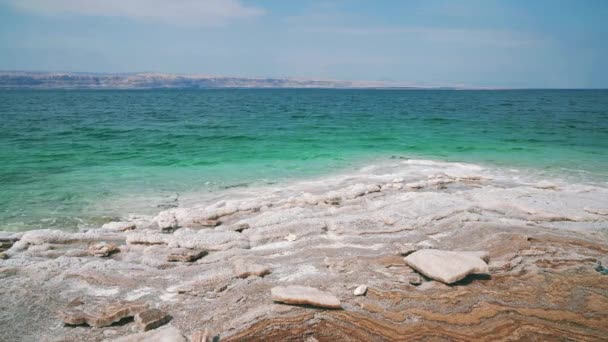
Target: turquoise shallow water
point(64, 154)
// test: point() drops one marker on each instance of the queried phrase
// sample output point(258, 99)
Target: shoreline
point(154, 201)
point(334, 233)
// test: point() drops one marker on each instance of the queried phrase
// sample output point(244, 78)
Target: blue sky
point(487, 43)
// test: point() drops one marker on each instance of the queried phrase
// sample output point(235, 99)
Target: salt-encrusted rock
point(98, 314)
point(372, 188)
point(39, 237)
point(546, 185)
point(166, 221)
point(151, 319)
point(6, 243)
point(164, 334)
point(304, 295)
point(333, 198)
point(146, 238)
point(210, 240)
point(240, 227)
point(185, 254)
point(243, 269)
point(407, 249)
point(206, 239)
point(447, 266)
point(209, 223)
point(77, 253)
point(597, 211)
point(119, 226)
point(416, 185)
point(355, 191)
point(102, 249)
point(505, 265)
point(40, 248)
point(360, 291)
point(201, 336)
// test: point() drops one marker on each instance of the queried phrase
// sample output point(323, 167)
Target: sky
point(476, 43)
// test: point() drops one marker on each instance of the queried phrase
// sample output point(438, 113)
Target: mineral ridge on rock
point(447, 266)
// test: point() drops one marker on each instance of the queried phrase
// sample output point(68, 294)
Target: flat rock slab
point(243, 269)
point(185, 254)
point(447, 266)
point(98, 314)
point(151, 319)
point(304, 295)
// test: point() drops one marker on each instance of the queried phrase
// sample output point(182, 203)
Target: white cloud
point(187, 12)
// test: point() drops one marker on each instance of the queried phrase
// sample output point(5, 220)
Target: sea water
point(79, 158)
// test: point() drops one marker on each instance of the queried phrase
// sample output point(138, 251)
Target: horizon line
point(348, 84)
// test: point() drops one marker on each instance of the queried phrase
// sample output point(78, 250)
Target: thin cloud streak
point(181, 12)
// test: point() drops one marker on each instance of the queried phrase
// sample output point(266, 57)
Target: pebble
point(360, 291)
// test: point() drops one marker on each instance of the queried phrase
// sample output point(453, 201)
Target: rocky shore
point(412, 250)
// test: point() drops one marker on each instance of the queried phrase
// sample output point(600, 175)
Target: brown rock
point(185, 254)
point(295, 294)
point(98, 314)
point(244, 270)
point(102, 249)
point(151, 319)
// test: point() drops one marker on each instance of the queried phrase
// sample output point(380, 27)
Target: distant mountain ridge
point(83, 80)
